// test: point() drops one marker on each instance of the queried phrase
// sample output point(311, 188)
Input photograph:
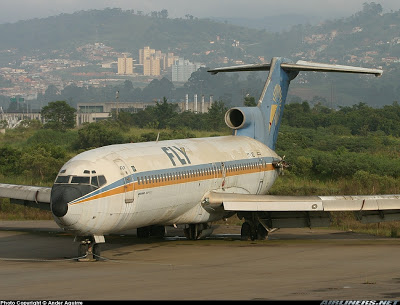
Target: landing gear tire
point(157, 231)
point(249, 232)
point(143, 232)
point(82, 250)
point(88, 250)
point(150, 231)
point(262, 233)
point(97, 252)
point(245, 232)
point(191, 232)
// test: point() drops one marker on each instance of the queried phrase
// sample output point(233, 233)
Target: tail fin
point(273, 97)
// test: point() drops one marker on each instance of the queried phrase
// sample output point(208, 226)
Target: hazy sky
point(14, 10)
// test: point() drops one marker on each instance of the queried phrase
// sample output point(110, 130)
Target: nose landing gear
point(89, 250)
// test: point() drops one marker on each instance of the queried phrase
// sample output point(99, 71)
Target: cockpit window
point(62, 179)
point(102, 180)
point(96, 181)
point(81, 180)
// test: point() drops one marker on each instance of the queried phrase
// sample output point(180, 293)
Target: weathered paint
point(167, 192)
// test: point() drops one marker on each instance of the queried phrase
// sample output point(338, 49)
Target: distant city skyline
point(28, 9)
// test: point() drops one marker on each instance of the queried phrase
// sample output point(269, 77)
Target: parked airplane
point(194, 182)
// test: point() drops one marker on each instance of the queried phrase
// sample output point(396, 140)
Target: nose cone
point(60, 196)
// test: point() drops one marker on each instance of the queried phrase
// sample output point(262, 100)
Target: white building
point(182, 69)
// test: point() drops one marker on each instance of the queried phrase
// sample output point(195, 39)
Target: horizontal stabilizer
point(311, 66)
point(253, 67)
point(301, 66)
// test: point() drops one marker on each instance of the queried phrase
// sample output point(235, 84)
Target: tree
point(59, 115)
point(99, 134)
point(249, 101)
point(165, 112)
point(43, 160)
point(215, 116)
point(164, 13)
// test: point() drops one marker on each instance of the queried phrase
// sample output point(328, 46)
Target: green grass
point(9, 211)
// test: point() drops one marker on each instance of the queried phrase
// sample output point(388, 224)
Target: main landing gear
point(252, 228)
point(197, 231)
point(150, 231)
point(251, 231)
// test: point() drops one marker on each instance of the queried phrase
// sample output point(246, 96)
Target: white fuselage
point(163, 183)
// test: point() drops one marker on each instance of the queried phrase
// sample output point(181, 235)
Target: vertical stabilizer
point(273, 98)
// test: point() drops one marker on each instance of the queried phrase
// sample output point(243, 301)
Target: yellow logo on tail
point(275, 108)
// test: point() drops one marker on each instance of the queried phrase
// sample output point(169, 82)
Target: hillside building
point(182, 69)
point(125, 66)
point(154, 61)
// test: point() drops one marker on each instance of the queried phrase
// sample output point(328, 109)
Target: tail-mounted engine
point(246, 121)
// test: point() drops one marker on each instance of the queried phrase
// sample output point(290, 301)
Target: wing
point(307, 211)
point(33, 196)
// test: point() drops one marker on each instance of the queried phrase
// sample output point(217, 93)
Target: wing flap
point(361, 203)
point(271, 206)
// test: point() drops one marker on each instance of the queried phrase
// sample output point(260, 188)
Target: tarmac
point(38, 262)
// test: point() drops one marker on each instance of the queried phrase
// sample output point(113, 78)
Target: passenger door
point(126, 174)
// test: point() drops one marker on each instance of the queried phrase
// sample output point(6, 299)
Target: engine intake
point(235, 118)
point(246, 121)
